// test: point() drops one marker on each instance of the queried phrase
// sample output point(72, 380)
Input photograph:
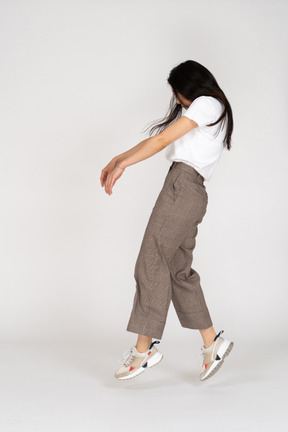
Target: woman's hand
point(141, 151)
point(110, 174)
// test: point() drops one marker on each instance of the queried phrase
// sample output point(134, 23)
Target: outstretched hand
point(109, 175)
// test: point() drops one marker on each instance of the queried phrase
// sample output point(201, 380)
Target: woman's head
point(181, 100)
point(188, 81)
point(192, 80)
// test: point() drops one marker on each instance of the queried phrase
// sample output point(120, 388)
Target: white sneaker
point(213, 356)
point(134, 362)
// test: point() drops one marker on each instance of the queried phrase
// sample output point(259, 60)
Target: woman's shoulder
point(208, 104)
point(209, 101)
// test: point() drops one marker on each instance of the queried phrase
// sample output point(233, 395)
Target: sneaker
point(213, 356)
point(134, 362)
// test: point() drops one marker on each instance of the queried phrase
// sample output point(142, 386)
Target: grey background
point(80, 80)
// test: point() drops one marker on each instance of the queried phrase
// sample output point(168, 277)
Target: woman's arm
point(141, 151)
point(144, 150)
point(153, 145)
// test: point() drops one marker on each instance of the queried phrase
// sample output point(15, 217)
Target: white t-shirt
point(200, 147)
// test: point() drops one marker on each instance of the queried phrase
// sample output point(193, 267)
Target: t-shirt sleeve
point(202, 111)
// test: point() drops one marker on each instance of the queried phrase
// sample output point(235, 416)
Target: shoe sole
point(150, 363)
point(223, 351)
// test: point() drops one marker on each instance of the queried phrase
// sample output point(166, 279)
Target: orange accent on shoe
point(131, 368)
point(206, 364)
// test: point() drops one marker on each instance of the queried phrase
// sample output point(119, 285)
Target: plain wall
point(80, 80)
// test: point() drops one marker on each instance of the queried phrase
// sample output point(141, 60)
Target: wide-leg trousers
point(163, 269)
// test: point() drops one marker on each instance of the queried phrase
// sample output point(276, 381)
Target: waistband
point(188, 169)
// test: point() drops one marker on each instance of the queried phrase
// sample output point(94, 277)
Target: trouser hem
point(194, 320)
point(145, 326)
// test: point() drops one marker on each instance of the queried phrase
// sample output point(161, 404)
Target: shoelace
point(127, 357)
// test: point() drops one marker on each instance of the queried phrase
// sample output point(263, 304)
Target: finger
point(107, 185)
point(112, 181)
point(108, 182)
point(102, 178)
point(110, 186)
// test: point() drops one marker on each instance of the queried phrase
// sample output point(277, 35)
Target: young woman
point(194, 133)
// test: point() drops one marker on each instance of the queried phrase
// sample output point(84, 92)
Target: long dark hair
point(192, 80)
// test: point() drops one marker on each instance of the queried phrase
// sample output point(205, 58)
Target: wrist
point(120, 163)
